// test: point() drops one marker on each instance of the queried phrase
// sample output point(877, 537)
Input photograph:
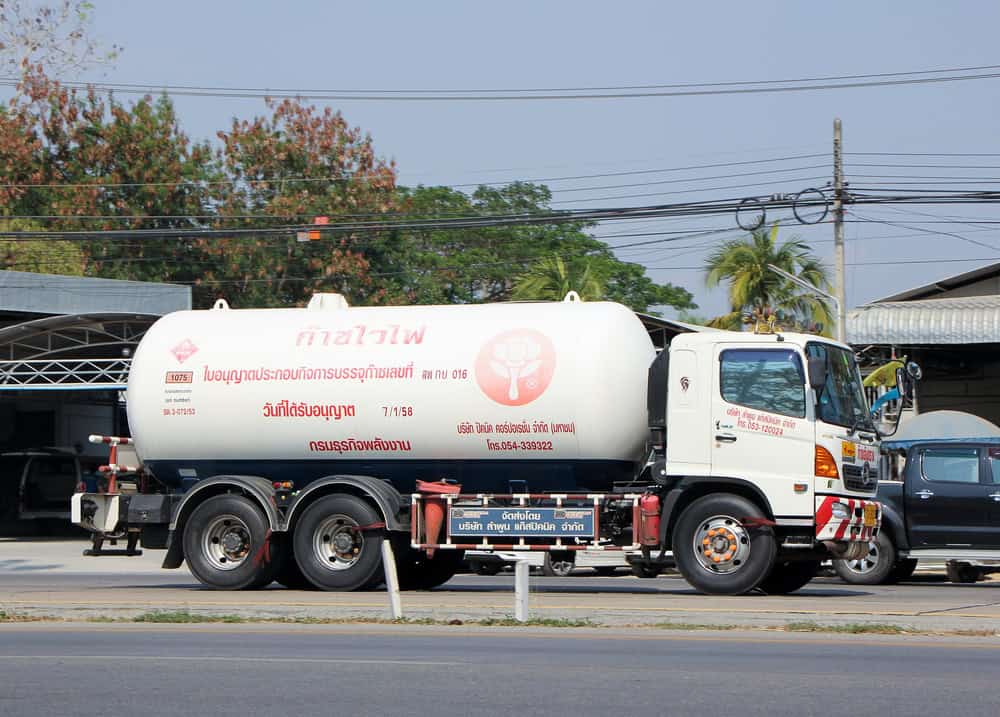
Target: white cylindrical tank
point(299, 393)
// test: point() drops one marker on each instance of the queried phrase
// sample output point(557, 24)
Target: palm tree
point(552, 278)
point(743, 262)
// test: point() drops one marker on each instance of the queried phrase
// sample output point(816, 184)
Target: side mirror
point(914, 371)
point(817, 372)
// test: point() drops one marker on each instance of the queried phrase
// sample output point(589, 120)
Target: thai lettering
point(361, 374)
point(353, 445)
point(300, 409)
point(359, 335)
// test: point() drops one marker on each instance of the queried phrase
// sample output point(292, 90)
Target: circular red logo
point(515, 367)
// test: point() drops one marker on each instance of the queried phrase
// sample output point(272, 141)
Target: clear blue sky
point(467, 45)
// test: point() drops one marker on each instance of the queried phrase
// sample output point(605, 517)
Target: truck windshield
point(842, 400)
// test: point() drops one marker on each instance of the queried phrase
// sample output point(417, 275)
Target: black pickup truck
point(946, 507)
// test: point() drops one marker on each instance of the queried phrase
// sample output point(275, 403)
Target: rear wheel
point(227, 544)
point(872, 569)
point(558, 564)
point(720, 546)
point(788, 576)
point(334, 548)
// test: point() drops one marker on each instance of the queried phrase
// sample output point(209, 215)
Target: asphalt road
point(243, 669)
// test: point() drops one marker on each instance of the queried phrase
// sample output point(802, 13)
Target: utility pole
point(838, 232)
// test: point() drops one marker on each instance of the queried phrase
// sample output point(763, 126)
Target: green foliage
point(752, 286)
point(50, 256)
point(95, 163)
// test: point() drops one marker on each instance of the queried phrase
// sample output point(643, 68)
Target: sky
point(446, 45)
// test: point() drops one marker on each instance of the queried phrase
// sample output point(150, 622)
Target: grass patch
point(183, 616)
point(695, 626)
point(853, 628)
point(11, 616)
point(531, 622)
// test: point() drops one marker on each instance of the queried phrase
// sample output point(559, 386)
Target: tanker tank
point(499, 397)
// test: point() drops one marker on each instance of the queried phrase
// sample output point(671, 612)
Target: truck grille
point(854, 478)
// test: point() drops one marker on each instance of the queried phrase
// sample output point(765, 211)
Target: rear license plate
point(871, 515)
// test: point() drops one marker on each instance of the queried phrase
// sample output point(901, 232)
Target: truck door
point(760, 428)
point(947, 499)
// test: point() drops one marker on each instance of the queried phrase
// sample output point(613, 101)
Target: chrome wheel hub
point(227, 542)
point(721, 544)
point(337, 542)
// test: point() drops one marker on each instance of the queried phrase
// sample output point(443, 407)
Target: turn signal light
point(826, 466)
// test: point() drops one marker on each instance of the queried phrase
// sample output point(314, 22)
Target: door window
point(995, 464)
point(951, 465)
point(765, 379)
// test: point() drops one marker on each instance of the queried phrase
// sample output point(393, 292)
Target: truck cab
point(777, 419)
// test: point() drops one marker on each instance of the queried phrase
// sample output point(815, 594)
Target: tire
point(606, 571)
point(289, 574)
point(558, 564)
point(902, 570)
point(418, 572)
point(745, 555)
point(959, 572)
point(788, 576)
point(329, 550)
point(645, 571)
point(227, 544)
point(873, 569)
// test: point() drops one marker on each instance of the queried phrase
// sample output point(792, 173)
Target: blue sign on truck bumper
point(520, 522)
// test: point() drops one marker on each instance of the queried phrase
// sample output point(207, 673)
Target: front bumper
point(858, 522)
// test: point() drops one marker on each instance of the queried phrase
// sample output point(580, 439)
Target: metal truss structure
point(75, 352)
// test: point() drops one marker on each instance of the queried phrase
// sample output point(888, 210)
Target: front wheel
point(874, 568)
point(334, 546)
point(227, 544)
point(721, 546)
point(788, 576)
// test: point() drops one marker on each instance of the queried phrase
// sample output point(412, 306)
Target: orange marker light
point(826, 466)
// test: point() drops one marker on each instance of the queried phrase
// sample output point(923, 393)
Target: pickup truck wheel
point(902, 569)
point(333, 547)
point(225, 544)
point(721, 546)
point(558, 564)
point(874, 568)
point(788, 576)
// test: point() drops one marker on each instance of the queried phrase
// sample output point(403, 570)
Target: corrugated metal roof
point(53, 294)
point(967, 320)
point(948, 283)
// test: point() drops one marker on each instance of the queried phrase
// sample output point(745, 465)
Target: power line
point(916, 77)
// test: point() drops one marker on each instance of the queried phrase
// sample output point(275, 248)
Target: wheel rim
point(227, 542)
point(562, 568)
point(337, 542)
point(865, 565)
point(721, 545)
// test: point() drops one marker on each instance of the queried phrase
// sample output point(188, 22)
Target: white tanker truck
point(288, 444)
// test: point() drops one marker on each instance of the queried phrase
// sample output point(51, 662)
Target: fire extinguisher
point(649, 519)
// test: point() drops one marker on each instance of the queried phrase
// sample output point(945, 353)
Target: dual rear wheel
point(336, 545)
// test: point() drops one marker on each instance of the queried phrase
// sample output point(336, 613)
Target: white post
point(391, 581)
point(521, 571)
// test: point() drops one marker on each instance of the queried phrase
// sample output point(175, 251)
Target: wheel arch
point(256, 488)
point(388, 501)
point(690, 489)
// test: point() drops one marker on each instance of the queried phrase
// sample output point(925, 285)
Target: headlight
point(840, 511)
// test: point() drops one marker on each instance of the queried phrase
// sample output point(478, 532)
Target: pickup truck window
point(765, 379)
point(951, 465)
point(995, 464)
